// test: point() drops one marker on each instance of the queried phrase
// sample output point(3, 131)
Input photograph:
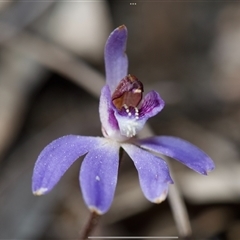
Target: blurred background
point(51, 65)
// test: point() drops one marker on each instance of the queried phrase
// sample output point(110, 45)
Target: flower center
point(128, 95)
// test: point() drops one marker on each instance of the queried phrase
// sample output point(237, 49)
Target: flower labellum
point(128, 94)
point(123, 112)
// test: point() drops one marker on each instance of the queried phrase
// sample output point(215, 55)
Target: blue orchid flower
point(123, 113)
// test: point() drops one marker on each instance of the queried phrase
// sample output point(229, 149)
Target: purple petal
point(98, 176)
point(56, 158)
point(152, 104)
point(183, 151)
point(106, 112)
point(153, 173)
point(116, 61)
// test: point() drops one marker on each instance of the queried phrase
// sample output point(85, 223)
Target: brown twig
point(90, 226)
point(19, 15)
point(58, 60)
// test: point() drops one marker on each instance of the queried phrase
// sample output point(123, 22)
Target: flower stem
point(91, 224)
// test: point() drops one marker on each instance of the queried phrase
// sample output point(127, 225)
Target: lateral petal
point(56, 158)
point(153, 173)
point(98, 176)
point(181, 150)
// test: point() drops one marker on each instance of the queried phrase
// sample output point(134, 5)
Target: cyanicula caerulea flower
point(123, 113)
